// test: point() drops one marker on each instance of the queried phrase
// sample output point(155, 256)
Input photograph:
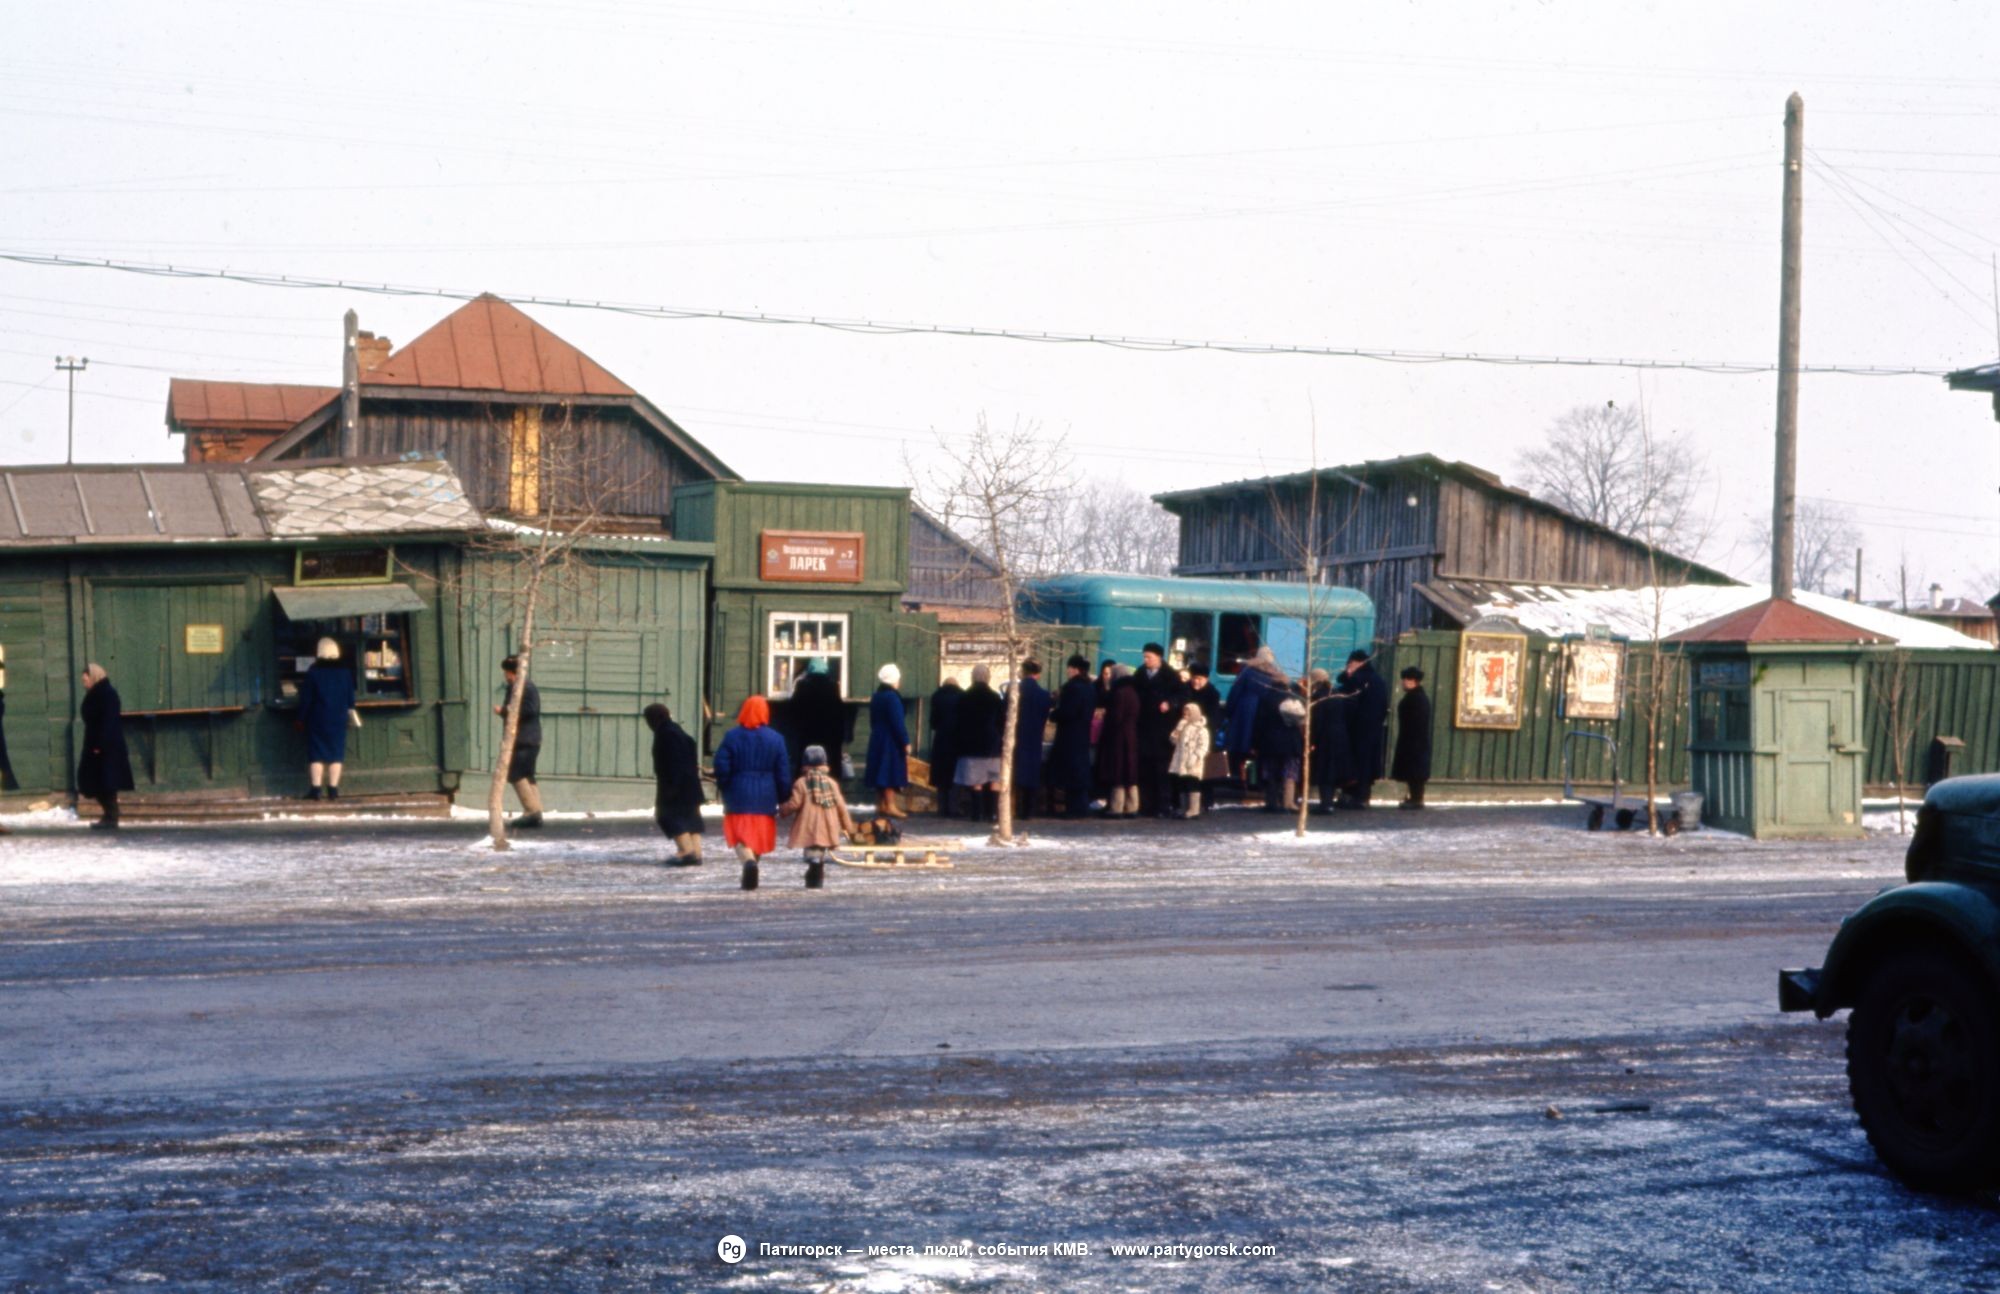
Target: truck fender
point(1927, 912)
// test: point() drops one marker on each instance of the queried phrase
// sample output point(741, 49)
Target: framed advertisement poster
point(1593, 684)
point(1489, 679)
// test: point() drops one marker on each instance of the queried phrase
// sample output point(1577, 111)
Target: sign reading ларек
point(810, 556)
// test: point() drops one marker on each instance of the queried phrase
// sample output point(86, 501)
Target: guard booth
point(803, 572)
point(1775, 697)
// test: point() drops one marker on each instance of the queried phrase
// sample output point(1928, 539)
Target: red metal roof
point(1777, 621)
point(241, 406)
point(489, 345)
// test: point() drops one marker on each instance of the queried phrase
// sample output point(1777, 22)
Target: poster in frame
point(1593, 683)
point(1490, 679)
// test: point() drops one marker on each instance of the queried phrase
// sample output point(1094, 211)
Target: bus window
point(1187, 638)
point(1237, 642)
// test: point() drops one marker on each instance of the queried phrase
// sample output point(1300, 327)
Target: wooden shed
point(1391, 526)
point(203, 591)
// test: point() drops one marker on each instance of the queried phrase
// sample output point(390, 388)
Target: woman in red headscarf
point(754, 777)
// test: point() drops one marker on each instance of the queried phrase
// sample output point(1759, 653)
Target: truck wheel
point(1923, 1065)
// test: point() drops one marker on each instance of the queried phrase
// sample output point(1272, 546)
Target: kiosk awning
point(338, 601)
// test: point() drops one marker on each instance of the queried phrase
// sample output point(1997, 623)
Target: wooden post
point(350, 386)
point(1784, 503)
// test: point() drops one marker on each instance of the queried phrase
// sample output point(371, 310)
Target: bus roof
point(1268, 597)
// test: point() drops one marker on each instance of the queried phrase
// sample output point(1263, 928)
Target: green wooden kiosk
point(203, 591)
point(805, 571)
point(1776, 694)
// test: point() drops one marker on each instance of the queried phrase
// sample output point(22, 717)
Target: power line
point(872, 327)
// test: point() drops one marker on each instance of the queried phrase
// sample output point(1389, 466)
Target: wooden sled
point(905, 856)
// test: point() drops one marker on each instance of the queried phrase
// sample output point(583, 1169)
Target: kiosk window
point(796, 638)
point(1188, 638)
point(1240, 637)
point(1722, 714)
point(376, 648)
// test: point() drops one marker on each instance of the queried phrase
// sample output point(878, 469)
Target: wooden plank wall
point(1951, 693)
point(1532, 756)
point(1487, 534)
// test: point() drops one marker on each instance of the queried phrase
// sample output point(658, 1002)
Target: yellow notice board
point(202, 640)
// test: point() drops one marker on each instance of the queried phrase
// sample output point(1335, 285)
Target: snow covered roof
point(1555, 610)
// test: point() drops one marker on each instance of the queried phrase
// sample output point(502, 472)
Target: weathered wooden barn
point(1394, 528)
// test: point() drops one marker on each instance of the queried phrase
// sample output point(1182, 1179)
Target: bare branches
point(1824, 539)
point(1005, 489)
point(1602, 463)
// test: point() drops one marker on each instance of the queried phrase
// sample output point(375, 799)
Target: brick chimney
point(1937, 597)
point(372, 350)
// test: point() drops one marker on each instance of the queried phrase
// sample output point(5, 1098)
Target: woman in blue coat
point(1239, 734)
point(888, 768)
point(754, 777)
point(326, 700)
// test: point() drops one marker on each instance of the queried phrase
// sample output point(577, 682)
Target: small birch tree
point(1004, 489)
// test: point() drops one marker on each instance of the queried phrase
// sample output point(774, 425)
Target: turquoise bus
point(1222, 622)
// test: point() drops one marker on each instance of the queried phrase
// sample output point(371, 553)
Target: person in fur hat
point(820, 821)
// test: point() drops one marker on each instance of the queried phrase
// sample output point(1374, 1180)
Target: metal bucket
point(1687, 804)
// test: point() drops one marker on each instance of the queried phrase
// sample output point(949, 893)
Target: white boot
point(1194, 804)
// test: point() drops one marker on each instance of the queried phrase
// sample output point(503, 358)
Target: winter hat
point(817, 665)
point(1198, 670)
point(655, 715)
point(815, 757)
point(1413, 674)
point(1357, 656)
point(1121, 671)
point(1156, 649)
point(889, 674)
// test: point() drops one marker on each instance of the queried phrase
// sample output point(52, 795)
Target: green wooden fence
point(1950, 693)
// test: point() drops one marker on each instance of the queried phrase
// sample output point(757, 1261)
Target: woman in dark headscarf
point(1118, 746)
point(677, 783)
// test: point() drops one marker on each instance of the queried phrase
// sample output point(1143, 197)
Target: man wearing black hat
point(1161, 695)
point(1412, 765)
point(1069, 758)
point(1367, 706)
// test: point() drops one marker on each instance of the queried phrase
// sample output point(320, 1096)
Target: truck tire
point(1923, 1066)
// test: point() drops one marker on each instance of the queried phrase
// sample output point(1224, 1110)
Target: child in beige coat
point(1189, 761)
point(820, 821)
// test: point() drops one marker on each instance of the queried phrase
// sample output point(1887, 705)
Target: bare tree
point(1007, 487)
point(1664, 668)
point(1601, 463)
point(1824, 539)
point(561, 490)
point(1903, 716)
point(1107, 525)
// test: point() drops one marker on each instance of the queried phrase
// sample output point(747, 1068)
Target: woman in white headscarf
point(888, 770)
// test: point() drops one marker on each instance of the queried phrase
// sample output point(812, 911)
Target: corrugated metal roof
point(195, 405)
point(64, 506)
point(489, 345)
point(1778, 620)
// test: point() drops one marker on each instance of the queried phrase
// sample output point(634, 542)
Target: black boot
point(333, 793)
point(815, 874)
point(527, 821)
point(750, 874)
point(312, 794)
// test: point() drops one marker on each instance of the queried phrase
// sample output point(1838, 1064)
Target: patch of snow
point(1630, 612)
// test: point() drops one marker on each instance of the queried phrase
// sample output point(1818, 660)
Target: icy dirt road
point(1477, 1049)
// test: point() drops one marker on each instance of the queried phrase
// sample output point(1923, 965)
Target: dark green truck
point(1919, 968)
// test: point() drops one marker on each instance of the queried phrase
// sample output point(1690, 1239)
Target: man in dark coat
point(1161, 696)
point(677, 782)
point(943, 753)
point(1412, 765)
point(1029, 724)
point(1069, 758)
point(816, 716)
point(1367, 706)
point(105, 768)
point(527, 743)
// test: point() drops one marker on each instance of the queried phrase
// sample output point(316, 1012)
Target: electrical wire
point(879, 328)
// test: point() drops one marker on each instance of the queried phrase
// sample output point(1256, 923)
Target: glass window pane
point(1237, 640)
point(1187, 638)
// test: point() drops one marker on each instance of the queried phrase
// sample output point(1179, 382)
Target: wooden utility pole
point(1784, 501)
point(350, 386)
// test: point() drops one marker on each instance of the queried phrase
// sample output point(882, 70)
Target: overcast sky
point(1585, 180)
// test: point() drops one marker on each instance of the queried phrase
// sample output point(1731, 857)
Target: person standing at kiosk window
point(326, 710)
point(105, 767)
point(527, 744)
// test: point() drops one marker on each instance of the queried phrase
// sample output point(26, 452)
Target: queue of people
point(1126, 743)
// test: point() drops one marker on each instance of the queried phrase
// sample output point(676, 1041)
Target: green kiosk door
point(178, 656)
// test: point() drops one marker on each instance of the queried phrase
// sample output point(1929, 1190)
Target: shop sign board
point(810, 556)
point(202, 640)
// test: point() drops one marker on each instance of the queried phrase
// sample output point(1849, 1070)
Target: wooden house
point(1402, 529)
